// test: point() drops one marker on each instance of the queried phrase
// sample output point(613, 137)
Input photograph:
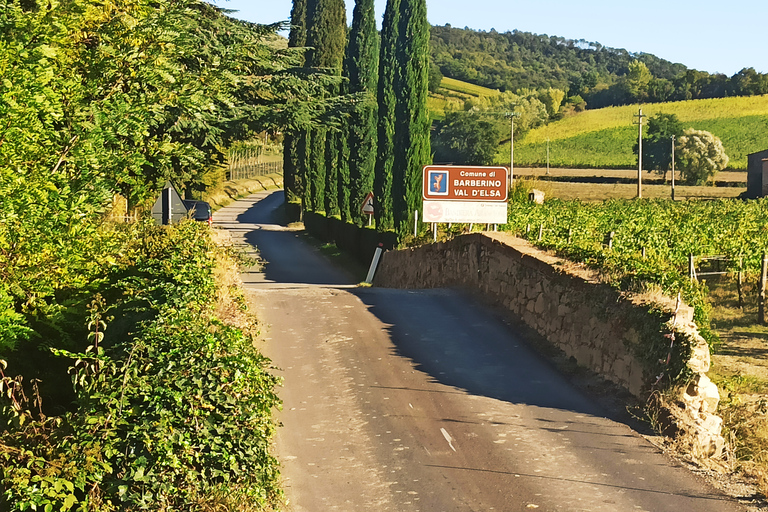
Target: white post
point(374, 263)
point(434, 230)
point(416, 224)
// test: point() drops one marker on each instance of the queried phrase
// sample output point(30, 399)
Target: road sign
point(464, 183)
point(470, 212)
point(367, 206)
point(465, 194)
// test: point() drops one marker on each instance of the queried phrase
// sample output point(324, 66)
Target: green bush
point(173, 415)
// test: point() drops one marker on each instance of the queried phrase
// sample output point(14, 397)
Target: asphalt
point(424, 400)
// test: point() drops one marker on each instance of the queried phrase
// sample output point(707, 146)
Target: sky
point(708, 35)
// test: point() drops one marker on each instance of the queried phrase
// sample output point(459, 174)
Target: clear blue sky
point(714, 36)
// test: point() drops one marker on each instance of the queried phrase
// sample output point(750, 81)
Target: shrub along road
point(401, 400)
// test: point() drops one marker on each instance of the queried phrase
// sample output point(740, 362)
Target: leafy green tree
point(387, 100)
point(657, 141)
point(295, 143)
point(435, 77)
point(361, 68)
point(118, 98)
point(701, 156)
point(467, 138)
point(326, 39)
point(637, 81)
point(412, 122)
point(552, 99)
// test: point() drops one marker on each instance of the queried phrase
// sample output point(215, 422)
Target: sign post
point(465, 194)
point(367, 207)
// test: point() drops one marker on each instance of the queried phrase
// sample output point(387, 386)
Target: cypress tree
point(412, 122)
point(385, 156)
point(361, 68)
point(295, 143)
point(326, 37)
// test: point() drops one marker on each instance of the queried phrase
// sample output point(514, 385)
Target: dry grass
point(231, 306)
point(733, 177)
point(600, 192)
point(740, 370)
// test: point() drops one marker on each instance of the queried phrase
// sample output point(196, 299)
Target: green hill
point(604, 138)
point(600, 75)
point(451, 95)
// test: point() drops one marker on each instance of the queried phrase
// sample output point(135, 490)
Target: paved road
point(422, 401)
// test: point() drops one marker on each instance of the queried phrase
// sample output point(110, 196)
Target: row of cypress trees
point(382, 145)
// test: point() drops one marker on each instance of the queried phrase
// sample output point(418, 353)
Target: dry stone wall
point(601, 328)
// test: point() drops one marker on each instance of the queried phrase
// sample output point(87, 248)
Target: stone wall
point(602, 329)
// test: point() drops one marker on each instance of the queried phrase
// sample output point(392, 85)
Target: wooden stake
point(740, 284)
point(761, 298)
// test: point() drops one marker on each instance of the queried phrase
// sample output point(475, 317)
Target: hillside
point(603, 138)
point(452, 94)
point(600, 75)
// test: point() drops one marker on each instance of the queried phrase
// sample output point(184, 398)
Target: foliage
point(294, 177)
point(602, 76)
point(412, 123)
point(668, 232)
point(701, 156)
point(385, 125)
point(467, 138)
point(326, 41)
point(168, 417)
point(657, 141)
point(361, 68)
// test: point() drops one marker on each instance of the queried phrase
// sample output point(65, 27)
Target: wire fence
point(247, 164)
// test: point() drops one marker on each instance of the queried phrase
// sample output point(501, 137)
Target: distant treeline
point(593, 75)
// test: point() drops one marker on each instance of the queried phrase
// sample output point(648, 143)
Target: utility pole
point(547, 157)
point(639, 117)
point(673, 167)
point(511, 116)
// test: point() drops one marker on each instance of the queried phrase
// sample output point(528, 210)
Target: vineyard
point(452, 94)
point(604, 137)
point(640, 243)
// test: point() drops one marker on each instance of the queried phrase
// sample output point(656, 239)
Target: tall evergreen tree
point(412, 122)
point(326, 37)
point(361, 69)
point(295, 143)
point(385, 154)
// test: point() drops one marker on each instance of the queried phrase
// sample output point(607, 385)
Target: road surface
point(400, 400)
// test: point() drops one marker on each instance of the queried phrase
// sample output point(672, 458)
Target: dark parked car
point(199, 211)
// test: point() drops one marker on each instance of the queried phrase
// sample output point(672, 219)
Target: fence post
point(761, 298)
point(740, 283)
point(691, 268)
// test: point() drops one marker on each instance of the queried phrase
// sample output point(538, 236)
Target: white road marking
point(448, 438)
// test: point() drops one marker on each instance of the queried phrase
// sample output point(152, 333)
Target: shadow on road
point(461, 344)
point(287, 259)
point(446, 333)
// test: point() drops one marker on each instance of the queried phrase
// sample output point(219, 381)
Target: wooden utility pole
point(547, 157)
point(673, 167)
point(511, 115)
point(761, 299)
point(640, 117)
